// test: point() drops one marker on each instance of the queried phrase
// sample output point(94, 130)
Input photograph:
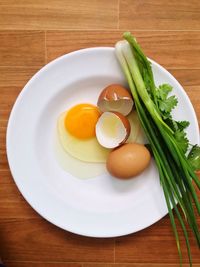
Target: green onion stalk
point(177, 176)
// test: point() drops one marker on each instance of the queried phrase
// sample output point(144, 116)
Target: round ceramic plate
point(98, 207)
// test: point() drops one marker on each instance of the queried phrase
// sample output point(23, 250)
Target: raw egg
point(128, 160)
point(80, 120)
point(78, 151)
point(76, 131)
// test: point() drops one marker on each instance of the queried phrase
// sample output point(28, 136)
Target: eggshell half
point(115, 98)
point(112, 129)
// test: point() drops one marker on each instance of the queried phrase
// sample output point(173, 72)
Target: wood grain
point(58, 14)
point(33, 33)
point(3, 156)
point(159, 15)
point(63, 264)
point(17, 214)
point(12, 81)
point(15, 77)
point(22, 48)
point(62, 42)
point(186, 77)
point(43, 264)
point(38, 240)
point(134, 265)
point(166, 48)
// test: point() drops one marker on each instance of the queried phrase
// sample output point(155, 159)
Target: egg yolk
point(81, 120)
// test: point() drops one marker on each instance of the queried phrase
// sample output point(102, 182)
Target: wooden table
point(34, 32)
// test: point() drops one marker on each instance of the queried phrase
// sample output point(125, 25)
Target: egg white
point(137, 134)
point(77, 168)
point(88, 150)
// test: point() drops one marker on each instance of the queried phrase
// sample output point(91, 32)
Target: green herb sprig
point(167, 138)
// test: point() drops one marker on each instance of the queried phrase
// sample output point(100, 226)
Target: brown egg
point(128, 160)
point(115, 98)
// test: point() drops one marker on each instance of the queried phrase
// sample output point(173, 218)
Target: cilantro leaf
point(166, 105)
point(182, 140)
point(181, 125)
point(170, 122)
point(163, 90)
point(176, 125)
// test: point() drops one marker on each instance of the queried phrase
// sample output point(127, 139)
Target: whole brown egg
point(128, 160)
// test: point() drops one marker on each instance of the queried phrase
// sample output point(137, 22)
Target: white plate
point(98, 207)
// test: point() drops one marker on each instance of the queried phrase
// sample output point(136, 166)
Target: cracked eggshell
point(112, 129)
point(115, 98)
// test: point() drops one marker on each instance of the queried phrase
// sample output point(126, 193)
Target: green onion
point(167, 138)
